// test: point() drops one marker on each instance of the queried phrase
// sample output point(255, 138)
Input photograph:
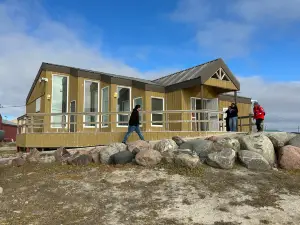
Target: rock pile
point(258, 151)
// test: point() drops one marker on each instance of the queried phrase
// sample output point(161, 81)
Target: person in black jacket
point(233, 117)
point(134, 124)
point(227, 119)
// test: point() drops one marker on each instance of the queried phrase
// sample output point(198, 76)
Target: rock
point(289, 157)
point(178, 140)
point(1, 190)
point(280, 139)
point(168, 156)
point(185, 151)
point(148, 157)
point(61, 154)
point(95, 154)
point(47, 159)
point(295, 141)
point(18, 162)
point(227, 142)
point(261, 144)
point(137, 146)
point(122, 157)
point(33, 156)
point(165, 145)
point(224, 159)
point(120, 146)
point(212, 138)
point(80, 160)
point(187, 160)
point(106, 154)
point(253, 160)
point(200, 146)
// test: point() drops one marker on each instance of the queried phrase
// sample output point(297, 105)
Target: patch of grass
point(184, 171)
point(223, 209)
point(264, 221)
point(226, 223)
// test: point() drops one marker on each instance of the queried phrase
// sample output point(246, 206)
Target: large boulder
point(61, 154)
point(165, 145)
point(200, 146)
point(95, 154)
point(289, 157)
point(168, 156)
point(187, 160)
point(137, 146)
point(33, 156)
point(80, 160)
point(122, 157)
point(224, 159)
point(120, 146)
point(224, 143)
point(178, 140)
point(148, 157)
point(280, 139)
point(260, 144)
point(295, 141)
point(253, 160)
point(107, 153)
point(19, 161)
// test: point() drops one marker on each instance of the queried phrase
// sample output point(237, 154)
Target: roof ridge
point(185, 69)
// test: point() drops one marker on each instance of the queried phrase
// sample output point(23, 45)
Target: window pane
point(123, 105)
point(139, 101)
point(38, 105)
point(90, 102)
point(123, 120)
point(105, 106)
point(157, 104)
point(157, 117)
point(59, 98)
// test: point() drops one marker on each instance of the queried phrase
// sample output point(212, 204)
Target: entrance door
point(212, 104)
point(73, 117)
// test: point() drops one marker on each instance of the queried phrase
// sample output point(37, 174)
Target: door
point(73, 117)
point(212, 104)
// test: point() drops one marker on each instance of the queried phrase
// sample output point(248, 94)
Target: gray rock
point(122, 157)
point(226, 142)
point(106, 153)
point(80, 160)
point(185, 151)
point(295, 141)
point(280, 139)
point(120, 146)
point(260, 144)
point(95, 154)
point(148, 157)
point(224, 159)
point(18, 162)
point(289, 157)
point(200, 146)
point(178, 140)
point(61, 154)
point(186, 160)
point(165, 145)
point(168, 156)
point(253, 160)
point(137, 146)
point(33, 156)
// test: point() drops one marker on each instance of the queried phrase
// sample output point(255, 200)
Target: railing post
point(240, 125)
point(250, 123)
point(31, 124)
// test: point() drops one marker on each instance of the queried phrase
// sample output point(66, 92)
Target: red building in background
point(9, 128)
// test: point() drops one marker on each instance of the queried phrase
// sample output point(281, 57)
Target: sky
point(258, 40)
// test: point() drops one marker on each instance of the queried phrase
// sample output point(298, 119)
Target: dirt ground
point(133, 195)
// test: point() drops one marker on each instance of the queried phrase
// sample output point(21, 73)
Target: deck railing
point(168, 120)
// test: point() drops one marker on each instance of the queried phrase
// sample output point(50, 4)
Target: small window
point(157, 104)
point(123, 105)
point(38, 105)
point(105, 106)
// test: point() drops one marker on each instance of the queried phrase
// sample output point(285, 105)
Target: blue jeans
point(130, 130)
point(233, 124)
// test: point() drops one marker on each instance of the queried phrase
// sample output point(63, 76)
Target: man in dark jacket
point(134, 124)
point(227, 118)
point(233, 117)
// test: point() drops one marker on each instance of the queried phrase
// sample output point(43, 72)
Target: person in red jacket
point(259, 116)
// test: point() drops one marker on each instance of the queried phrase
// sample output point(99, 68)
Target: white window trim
point(40, 100)
point(59, 75)
point(157, 113)
point(102, 106)
point(97, 125)
point(117, 119)
point(143, 105)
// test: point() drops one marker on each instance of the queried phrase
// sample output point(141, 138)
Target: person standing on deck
point(233, 117)
point(134, 124)
point(259, 116)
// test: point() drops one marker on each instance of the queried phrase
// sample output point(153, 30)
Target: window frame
point(67, 104)
point(36, 101)
point(130, 104)
point(106, 125)
point(163, 102)
point(98, 97)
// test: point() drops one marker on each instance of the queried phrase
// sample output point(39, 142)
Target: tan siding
point(221, 84)
point(174, 102)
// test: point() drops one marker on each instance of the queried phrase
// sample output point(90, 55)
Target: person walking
point(233, 117)
point(259, 116)
point(134, 124)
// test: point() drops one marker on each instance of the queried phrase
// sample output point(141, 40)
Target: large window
point(157, 104)
point(59, 102)
point(91, 99)
point(123, 105)
point(139, 101)
point(104, 106)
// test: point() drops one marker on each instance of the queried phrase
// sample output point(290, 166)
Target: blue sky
point(258, 40)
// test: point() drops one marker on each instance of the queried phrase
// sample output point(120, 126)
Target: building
point(9, 128)
point(76, 107)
